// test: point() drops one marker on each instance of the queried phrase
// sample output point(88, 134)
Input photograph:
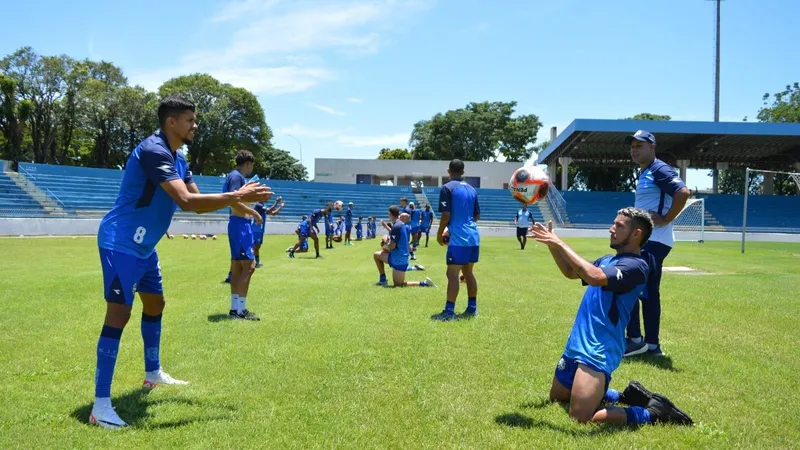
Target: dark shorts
point(460, 256)
point(124, 275)
point(240, 238)
point(258, 238)
point(522, 232)
point(566, 368)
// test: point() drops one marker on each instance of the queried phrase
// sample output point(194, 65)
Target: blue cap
point(641, 135)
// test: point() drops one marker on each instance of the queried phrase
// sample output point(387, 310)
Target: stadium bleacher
point(496, 205)
point(81, 191)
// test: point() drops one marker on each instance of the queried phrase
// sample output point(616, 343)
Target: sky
point(344, 78)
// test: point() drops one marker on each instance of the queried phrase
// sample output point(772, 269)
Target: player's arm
point(159, 166)
point(557, 254)
point(275, 211)
point(671, 183)
point(445, 207)
point(394, 235)
point(588, 272)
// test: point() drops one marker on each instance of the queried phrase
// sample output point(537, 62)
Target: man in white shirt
point(662, 192)
point(524, 221)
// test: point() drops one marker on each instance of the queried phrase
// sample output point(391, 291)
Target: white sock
point(242, 303)
point(235, 302)
point(636, 340)
point(100, 402)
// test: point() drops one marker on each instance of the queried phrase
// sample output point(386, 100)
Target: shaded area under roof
point(596, 142)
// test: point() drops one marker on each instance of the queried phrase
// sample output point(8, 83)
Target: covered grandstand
point(700, 145)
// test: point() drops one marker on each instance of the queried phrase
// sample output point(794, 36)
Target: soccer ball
point(202, 237)
point(529, 184)
point(446, 236)
point(194, 236)
point(385, 242)
point(338, 205)
point(186, 236)
point(214, 237)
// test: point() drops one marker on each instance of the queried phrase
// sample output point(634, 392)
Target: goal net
point(690, 225)
point(793, 175)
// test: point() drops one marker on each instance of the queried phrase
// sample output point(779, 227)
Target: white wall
point(492, 174)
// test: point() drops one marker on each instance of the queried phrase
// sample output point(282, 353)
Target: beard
point(620, 245)
point(188, 139)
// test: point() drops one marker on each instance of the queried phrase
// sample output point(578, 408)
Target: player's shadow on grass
point(518, 420)
point(218, 318)
point(661, 362)
point(133, 409)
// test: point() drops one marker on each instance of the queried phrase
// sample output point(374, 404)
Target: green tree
point(785, 106)
point(278, 164)
point(477, 132)
point(397, 153)
point(229, 119)
point(13, 117)
point(731, 181)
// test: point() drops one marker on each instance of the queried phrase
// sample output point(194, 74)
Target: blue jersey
point(524, 218)
point(328, 221)
point(348, 216)
point(415, 216)
point(400, 236)
point(461, 201)
point(358, 226)
point(261, 209)
point(233, 182)
point(427, 218)
point(598, 334)
point(143, 210)
point(315, 215)
point(656, 185)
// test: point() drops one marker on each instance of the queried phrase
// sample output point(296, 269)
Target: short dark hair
point(173, 106)
point(243, 157)
point(457, 166)
point(394, 210)
point(404, 199)
point(639, 219)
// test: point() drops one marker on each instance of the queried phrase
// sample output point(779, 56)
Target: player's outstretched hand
point(254, 192)
point(545, 235)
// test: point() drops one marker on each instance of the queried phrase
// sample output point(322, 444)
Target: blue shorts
point(459, 256)
point(303, 230)
point(415, 230)
point(566, 368)
point(425, 229)
point(348, 226)
point(240, 238)
point(398, 265)
point(124, 275)
point(258, 238)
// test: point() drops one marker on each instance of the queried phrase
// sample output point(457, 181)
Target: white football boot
point(105, 416)
point(153, 379)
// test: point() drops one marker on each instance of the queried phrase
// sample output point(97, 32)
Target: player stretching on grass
point(155, 182)
point(259, 231)
point(398, 248)
point(597, 341)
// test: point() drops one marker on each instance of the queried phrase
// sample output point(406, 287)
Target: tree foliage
point(785, 106)
point(478, 132)
point(56, 110)
point(397, 153)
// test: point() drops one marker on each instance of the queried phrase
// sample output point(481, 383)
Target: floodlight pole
point(716, 72)
point(744, 214)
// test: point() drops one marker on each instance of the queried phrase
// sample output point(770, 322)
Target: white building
point(494, 175)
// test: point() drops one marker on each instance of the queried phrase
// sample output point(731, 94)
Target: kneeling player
point(397, 256)
point(597, 341)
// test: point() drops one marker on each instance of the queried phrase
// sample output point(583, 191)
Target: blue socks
point(450, 307)
point(637, 415)
point(383, 278)
point(107, 349)
point(151, 335)
point(258, 260)
point(472, 305)
point(612, 396)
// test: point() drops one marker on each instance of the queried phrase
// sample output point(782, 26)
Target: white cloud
point(301, 131)
point(397, 139)
point(274, 46)
point(354, 100)
point(326, 109)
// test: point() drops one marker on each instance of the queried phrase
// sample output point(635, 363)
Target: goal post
point(793, 175)
point(690, 224)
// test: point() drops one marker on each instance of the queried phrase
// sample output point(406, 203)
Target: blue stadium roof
point(592, 142)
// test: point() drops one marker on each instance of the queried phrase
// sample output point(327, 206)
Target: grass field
point(337, 362)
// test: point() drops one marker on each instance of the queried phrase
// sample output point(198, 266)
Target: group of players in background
point(157, 180)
